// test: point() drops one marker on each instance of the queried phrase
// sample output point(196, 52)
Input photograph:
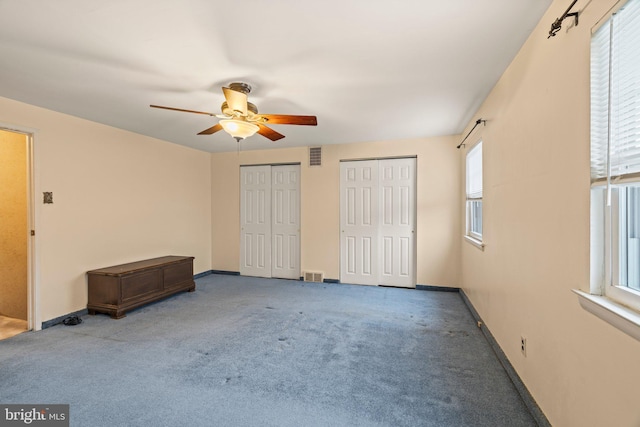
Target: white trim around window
point(473, 202)
point(614, 293)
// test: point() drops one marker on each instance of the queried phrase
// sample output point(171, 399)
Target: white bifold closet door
point(270, 221)
point(285, 221)
point(377, 222)
point(359, 222)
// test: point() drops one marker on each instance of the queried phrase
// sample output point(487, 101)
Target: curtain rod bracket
point(484, 123)
point(557, 24)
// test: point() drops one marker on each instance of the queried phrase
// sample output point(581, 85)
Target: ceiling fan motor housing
point(229, 112)
point(240, 87)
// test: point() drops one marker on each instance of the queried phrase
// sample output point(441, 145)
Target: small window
point(615, 157)
point(474, 192)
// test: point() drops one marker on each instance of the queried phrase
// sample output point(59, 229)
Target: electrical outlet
point(523, 346)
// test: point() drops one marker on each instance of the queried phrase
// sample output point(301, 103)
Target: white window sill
point(475, 242)
point(623, 318)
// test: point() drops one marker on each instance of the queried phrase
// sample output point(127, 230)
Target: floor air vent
point(315, 156)
point(313, 276)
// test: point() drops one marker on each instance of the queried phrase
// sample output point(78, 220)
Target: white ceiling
point(370, 70)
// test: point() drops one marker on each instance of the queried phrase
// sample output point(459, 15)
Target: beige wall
point(13, 225)
point(438, 213)
point(581, 371)
point(118, 197)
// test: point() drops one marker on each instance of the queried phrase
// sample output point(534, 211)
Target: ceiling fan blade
point(237, 101)
point(267, 132)
point(183, 110)
point(283, 119)
point(212, 129)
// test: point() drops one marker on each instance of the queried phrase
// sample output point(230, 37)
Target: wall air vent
point(313, 276)
point(315, 156)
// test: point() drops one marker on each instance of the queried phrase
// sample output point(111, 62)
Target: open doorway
point(15, 291)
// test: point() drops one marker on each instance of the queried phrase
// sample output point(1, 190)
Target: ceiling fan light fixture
point(239, 129)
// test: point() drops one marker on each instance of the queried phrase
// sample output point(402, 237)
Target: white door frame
point(33, 280)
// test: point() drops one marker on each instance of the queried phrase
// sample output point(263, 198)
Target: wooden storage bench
point(118, 289)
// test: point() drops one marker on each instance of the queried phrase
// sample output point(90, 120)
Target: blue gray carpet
point(262, 352)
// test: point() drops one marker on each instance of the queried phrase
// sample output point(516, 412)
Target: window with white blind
point(615, 157)
point(474, 193)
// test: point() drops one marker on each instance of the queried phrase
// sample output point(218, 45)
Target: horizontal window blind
point(474, 172)
point(615, 96)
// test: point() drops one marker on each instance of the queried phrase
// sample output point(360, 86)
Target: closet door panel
point(255, 221)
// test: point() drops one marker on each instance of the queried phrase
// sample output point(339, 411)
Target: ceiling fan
point(240, 118)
